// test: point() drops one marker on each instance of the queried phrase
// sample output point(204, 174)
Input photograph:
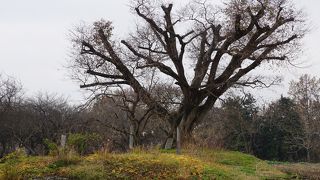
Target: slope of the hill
point(153, 164)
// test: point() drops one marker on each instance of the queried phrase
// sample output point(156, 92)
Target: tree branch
point(150, 63)
point(103, 84)
point(152, 23)
point(278, 43)
point(104, 75)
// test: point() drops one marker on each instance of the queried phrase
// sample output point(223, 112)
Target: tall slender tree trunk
point(308, 155)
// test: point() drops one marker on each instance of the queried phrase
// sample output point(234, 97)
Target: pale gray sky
point(34, 43)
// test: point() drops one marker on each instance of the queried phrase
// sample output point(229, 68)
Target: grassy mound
point(154, 164)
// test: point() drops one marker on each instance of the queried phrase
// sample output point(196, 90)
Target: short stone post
point(63, 140)
point(131, 128)
point(169, 143)
point(131, 138)
point(178, 140)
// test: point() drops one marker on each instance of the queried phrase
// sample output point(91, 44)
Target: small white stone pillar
point(131, 138)
point(131, 128)
point(169, 143)
point(179, 130)
point(178, 140)
point(63, 140)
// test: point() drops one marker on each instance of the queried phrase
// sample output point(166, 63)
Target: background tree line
point(286, 129)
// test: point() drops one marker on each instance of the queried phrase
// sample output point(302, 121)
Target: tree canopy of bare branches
point(201, 50)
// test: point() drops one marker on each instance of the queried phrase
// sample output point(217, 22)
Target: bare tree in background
point(52, 112)
point(306, 93)
point(122, 115)
point(200, 49)
point(10, 95)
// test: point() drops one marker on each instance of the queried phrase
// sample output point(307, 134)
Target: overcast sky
point(34, 40)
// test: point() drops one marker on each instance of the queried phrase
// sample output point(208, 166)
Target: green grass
point(139, 164)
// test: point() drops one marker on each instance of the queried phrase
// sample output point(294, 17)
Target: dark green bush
point(84, 143)
point(52, 146)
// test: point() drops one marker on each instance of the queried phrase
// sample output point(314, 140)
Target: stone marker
point(131, 139)
point(63, 140)
point(169, 143)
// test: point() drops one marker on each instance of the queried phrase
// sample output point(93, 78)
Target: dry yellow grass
point(301, 170)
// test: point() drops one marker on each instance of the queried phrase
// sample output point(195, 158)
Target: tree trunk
point(189, 122)
point(308, 155)
point(185, 127)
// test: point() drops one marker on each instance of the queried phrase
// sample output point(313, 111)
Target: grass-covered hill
point(152, 164)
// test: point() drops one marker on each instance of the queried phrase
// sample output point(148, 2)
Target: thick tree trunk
point(182, 127)
point(182, 132)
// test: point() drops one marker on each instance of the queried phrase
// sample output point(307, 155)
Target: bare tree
point(52, 113)
point(10, 93)
point(10, 96)
point(203, 50)
point(125, 120)
point(306, 94)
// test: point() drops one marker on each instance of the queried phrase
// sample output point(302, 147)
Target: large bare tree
point(200, 49)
